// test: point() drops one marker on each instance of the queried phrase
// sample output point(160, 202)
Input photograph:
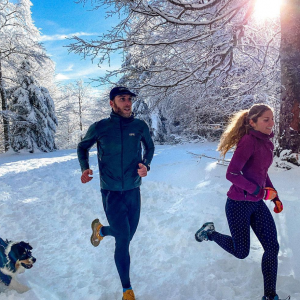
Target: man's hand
point(85, 176)
point(142, 170)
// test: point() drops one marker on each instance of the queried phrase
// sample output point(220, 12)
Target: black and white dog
point(14, 259)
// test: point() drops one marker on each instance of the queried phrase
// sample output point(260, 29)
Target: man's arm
point(83, 151)
point(148, 146)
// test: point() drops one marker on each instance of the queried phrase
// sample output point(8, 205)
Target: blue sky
point(57, 19)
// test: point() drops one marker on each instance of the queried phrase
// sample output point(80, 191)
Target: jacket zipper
point(122, 154)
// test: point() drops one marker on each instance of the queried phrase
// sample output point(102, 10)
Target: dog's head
point(20, 255)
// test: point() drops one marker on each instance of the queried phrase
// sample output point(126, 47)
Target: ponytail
point(239, 126)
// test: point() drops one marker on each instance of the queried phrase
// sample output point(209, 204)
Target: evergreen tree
point(18, 40)
point(34, 123)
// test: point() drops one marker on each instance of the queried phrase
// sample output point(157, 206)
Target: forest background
point(191, 63)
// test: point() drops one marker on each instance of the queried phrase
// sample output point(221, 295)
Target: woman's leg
point(238, 216)
point(264, 227)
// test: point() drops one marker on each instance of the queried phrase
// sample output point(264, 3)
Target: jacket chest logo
point(132, 134)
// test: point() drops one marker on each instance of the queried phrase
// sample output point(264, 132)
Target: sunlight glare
point(265, 9)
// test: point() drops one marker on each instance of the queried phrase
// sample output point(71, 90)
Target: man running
point(121, 163)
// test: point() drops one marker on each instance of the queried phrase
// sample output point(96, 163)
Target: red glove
point(278, 205)
point(269, 193)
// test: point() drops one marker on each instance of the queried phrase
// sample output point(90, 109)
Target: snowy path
point(43, 202)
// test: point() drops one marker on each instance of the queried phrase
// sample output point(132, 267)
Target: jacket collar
point(261, 135)
point(117, 118)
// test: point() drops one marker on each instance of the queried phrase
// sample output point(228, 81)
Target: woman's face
point(264, 123)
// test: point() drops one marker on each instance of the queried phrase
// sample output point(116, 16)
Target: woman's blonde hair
point(239, 126)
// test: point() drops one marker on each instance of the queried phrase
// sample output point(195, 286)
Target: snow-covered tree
point(34, 123)
point(182, 44)
point(18, 40)
point(77, 107)
point(201, 59)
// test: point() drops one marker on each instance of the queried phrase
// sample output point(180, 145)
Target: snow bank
point(43, 202)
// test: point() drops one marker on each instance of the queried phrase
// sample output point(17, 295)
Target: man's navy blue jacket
point(119, 146)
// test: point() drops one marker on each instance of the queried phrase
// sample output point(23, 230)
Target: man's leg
point(264, 227)
point(123, 217)
point(133, 202)
point(238, 216)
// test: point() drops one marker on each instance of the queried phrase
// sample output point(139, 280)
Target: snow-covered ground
point(43, 202)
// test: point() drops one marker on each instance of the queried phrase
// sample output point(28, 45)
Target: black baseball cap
point(120, 90)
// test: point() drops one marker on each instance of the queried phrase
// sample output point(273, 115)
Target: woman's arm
point(242, 154)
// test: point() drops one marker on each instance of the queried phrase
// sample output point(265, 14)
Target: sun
point(266, 9)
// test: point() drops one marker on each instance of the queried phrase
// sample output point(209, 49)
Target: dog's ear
point(14, 253)
point(25, 245)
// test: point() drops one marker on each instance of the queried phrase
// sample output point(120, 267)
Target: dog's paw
point(20, 288)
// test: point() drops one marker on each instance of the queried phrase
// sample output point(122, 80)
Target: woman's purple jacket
point(248, 168)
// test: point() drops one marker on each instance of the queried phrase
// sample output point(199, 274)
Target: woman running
point(250, 131)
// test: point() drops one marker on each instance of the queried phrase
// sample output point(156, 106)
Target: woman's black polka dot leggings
point(241, 215)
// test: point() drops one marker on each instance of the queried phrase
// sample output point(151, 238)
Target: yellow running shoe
point(96, 238)
point(128, 295)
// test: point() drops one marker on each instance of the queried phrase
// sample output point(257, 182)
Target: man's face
point(122, 105)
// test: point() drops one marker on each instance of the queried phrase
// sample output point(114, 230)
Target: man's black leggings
point(122, 210)
point(241, 215)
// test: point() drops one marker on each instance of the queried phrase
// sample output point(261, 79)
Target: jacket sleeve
point(270, 184)
point(148, 146)
point(85, 145)
point(243, 152)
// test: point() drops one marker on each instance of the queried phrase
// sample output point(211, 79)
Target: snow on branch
point(175, 19)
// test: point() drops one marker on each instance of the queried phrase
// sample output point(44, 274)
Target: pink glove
point(269, 193)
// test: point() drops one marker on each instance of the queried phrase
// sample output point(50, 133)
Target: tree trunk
point(4, 108)
point(289, 124)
